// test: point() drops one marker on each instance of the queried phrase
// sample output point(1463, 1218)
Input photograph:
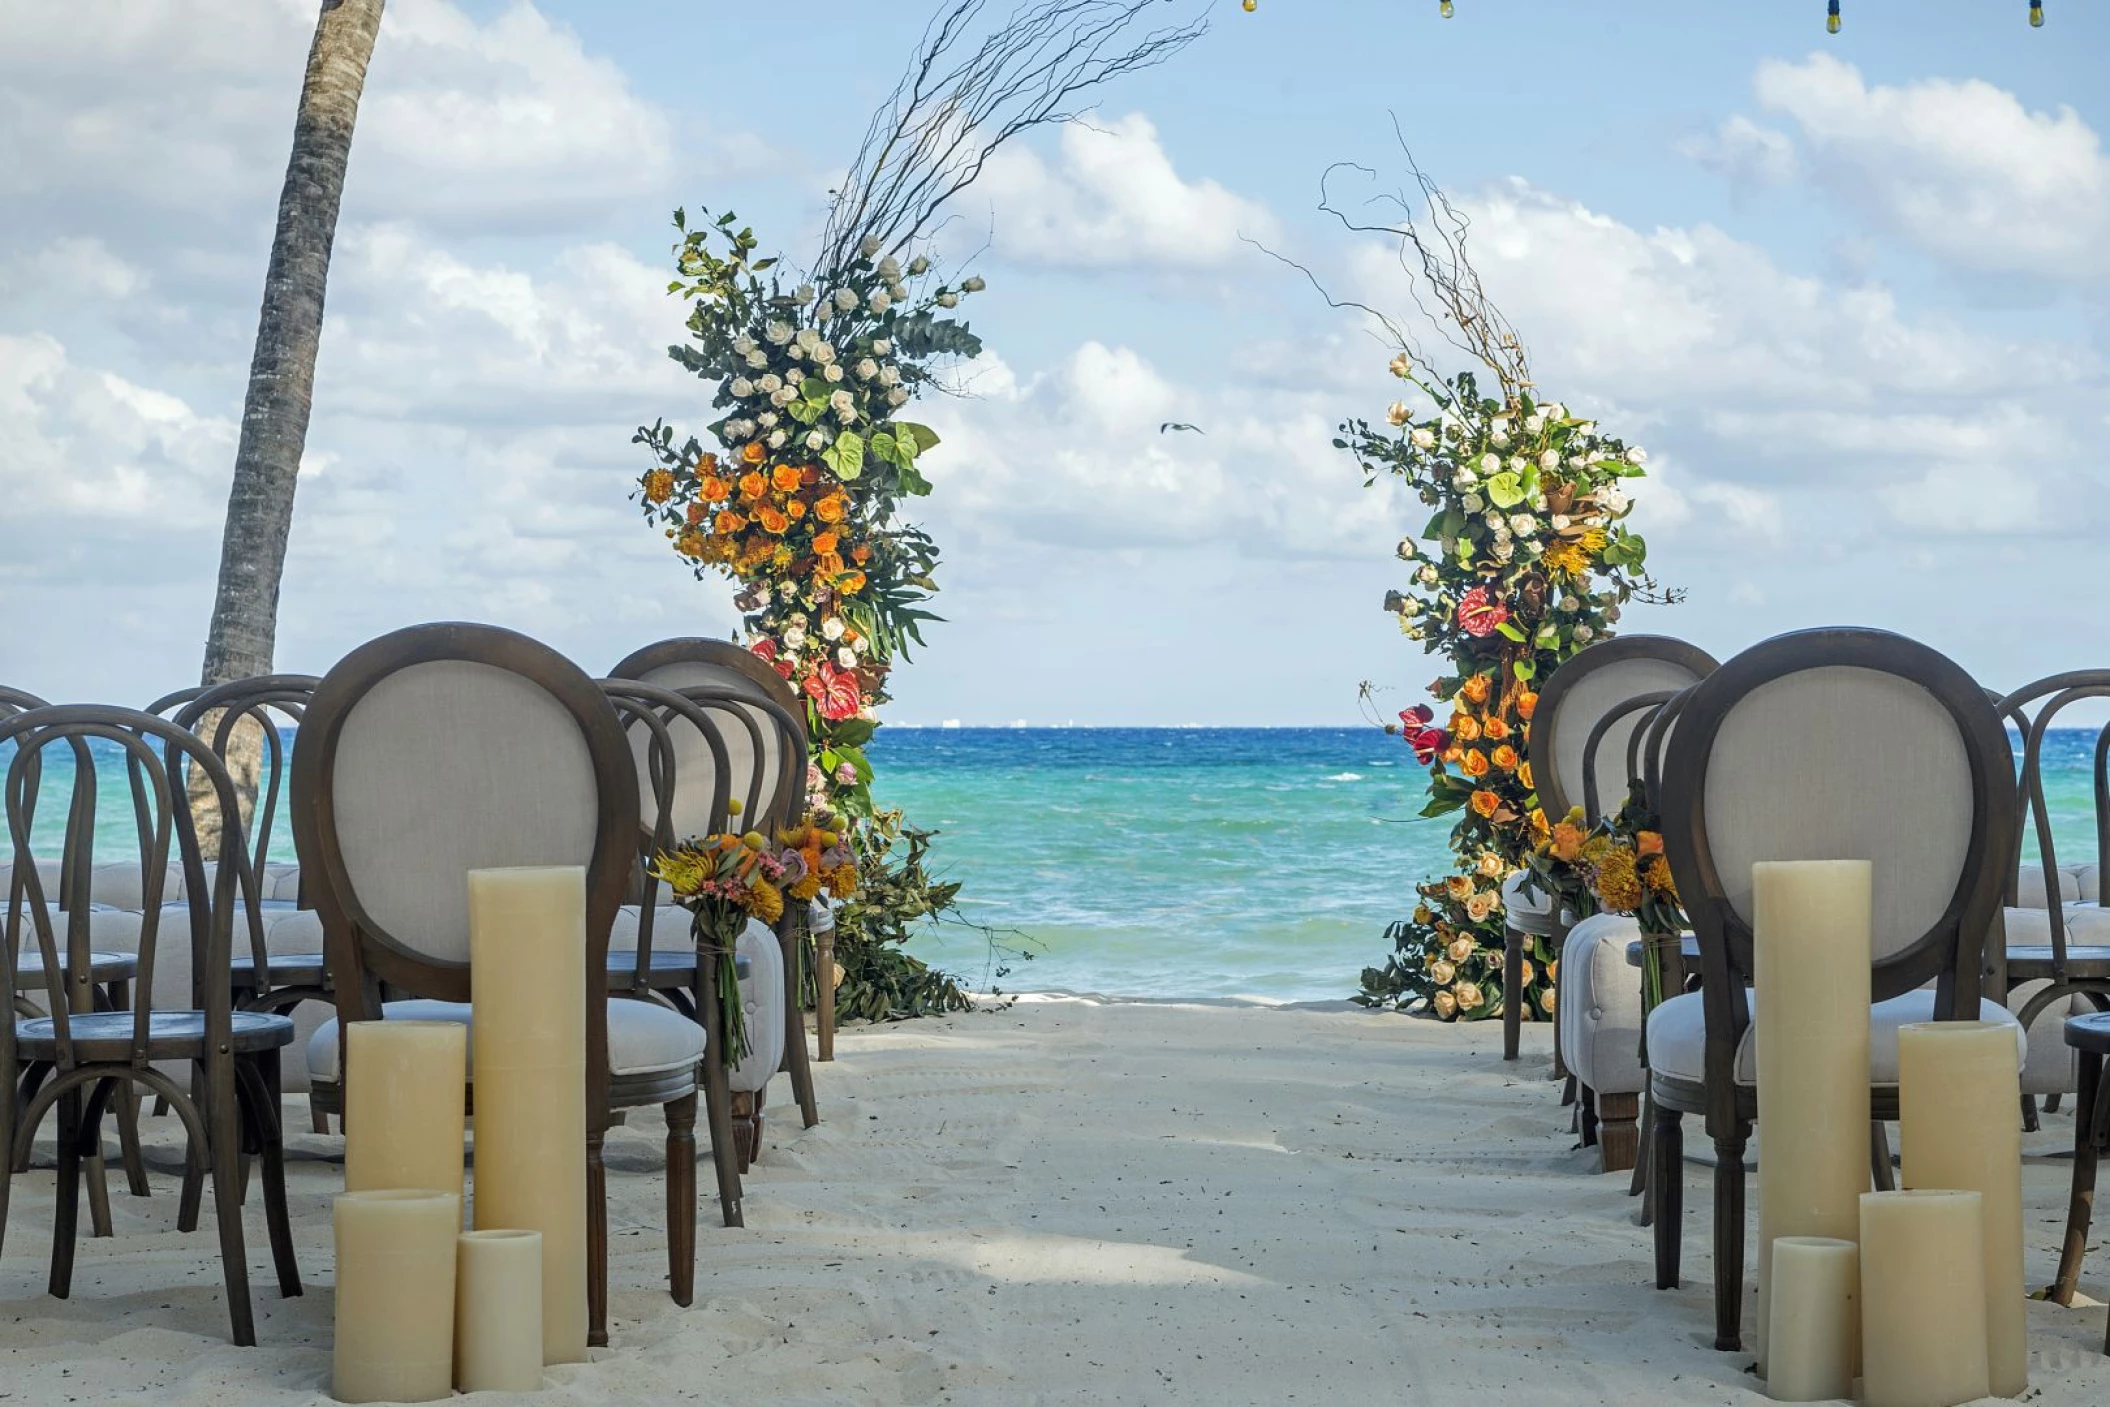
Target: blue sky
point(1851, 292)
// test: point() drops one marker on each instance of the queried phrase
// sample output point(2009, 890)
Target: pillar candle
point(1810, 934)
point(395, 1295)
point(1959, 1086)
point(1923, 1341)
point(498, 1312)
point(1816, 1319)
point(527, 985)
point(403, 1104)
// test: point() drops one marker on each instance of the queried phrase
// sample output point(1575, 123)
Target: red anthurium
point(1427, 743)
point(1479, 614)
point(834, 692)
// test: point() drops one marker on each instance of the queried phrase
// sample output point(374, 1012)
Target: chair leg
point(128, 1141)
point(681, 1198)
point(1512, 994)
point(318, 1120)
point(263, 1078)
point(1637, 1186)
point(7, 1130)
point(66, 1212)
point(596, 1240)
point(1568, 1085)
point(1667, 1181)
point(190, 1204)
point(2080, 1206)
point(1729, 1242)
point(223, 1137)
point(2051, 1103)
point(795, 1057)
point(98, 1176)
point(2030, 1123)
point(1618, 1141)
point(1586, 1112)
point(1880, 1168)
point(824, 994)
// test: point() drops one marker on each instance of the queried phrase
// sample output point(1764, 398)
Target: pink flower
point(846, 775)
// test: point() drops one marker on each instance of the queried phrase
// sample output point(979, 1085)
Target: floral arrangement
point(1625, 871)
point(1526, 558)
point(724, 880)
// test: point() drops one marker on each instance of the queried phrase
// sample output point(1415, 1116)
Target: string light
point(1448, 9)
point(2036, 14)
point(1831, 18)
point(1251, 5)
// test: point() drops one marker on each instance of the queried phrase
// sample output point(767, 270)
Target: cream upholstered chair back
point(754, 707)
point(1845, 744)
point(1579, 695)
point(447, 748)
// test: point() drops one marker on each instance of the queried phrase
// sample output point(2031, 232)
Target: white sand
point(1063, 1202)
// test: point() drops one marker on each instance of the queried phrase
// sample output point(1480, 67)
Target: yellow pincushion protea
point(765, 901)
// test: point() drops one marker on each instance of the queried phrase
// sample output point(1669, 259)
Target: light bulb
point(2036, 14)
point(1251, 5)
point(1831, 18)
point(1448, 9)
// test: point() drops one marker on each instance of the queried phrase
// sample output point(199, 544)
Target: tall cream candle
point(395, 1295)
point(1959, 1090)
point(1923, 1341)
point(1816, 1319)
point(1810, 932)
point(403, 1104)
point(527, 975)
point(498, 1312)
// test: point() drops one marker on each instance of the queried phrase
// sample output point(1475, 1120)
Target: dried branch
point(931, 137)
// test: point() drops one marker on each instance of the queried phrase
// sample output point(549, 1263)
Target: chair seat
point(1677, 1036)
point(2090, 1033)
point(1527, 911)
point(644, 1038)
point(289, 970)
point(103, 1036)
point(102, 967)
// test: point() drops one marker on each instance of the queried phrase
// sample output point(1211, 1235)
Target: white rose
point(1517, 463)
point(846, 658)
point(1523, 524)
point(890, 376)
point(816, 440)
point(1490, 463)
point(918, 266)
point(973, 284)
point(1499, 439)
point(794, 638)
point(1558, 521)
point(1401, 365)
point(1427, 575)
point(1538, 503)
point(1551, 459)
point(869, 245)
point(743, 344)
point(866, 369)
point(782, 396)
point(1502, 535)
point(777, 439)
point(771, 382)
point(846, 298)
point(1583, 632)
point(740, 429)
point(1396, 413)
point(860, 645)
point(890, 269)
point(807, 338)
point(879, 302)
point(831, 373)
point(768, 418)
point(795, 352)
point(832, 627)
point(824, 355)
point(804, 296)
point(1464, 478)
point(948, 300)
point(882, 345)
point(1493, 519)
point(1612, 499)
point(1504, 550)
point(897, 396)
point(1578, 461)
point(1534, 423)
point(897, 291)
point(1555, 411)
point(742, 387)
point(1422, 439)
point(757, 359)
point(1473, 503)
point(1586, 429)
point(1637, 455)
point(1611, 613)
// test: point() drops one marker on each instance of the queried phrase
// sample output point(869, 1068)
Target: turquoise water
point(1159, 862)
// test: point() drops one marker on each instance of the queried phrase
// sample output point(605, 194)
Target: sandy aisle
point(1063, 1202)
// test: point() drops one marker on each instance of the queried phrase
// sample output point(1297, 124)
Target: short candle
point(1923, 1340)
point(395, 1295)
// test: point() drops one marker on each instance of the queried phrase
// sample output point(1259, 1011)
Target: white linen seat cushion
point(670, 928)
point(1527, 911)
point(1677, 1036)
point(1598, 1005)
point(644, 1038)
point(2029, 884)
point(2087, 926)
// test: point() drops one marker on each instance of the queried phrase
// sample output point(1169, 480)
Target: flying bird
point(1172, 425)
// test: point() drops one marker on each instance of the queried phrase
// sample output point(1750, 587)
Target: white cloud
point(1961, 168)
point(1745, 153)
point(1112, 199)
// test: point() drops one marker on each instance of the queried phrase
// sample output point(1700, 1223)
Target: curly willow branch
point(957, 105)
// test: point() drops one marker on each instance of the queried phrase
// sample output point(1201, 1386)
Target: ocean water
point(1156, 862)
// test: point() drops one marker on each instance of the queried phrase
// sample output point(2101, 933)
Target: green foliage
point(896, 895)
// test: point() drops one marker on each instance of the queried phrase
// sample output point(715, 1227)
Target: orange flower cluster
point(754, 516)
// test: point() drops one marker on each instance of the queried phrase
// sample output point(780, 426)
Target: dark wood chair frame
point(81, 1056)
point(1950, 952)
point(2090, 1038)
point(1545, 728)
point(365, 958)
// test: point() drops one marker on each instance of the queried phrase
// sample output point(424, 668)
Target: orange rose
point(830, 509)
point(1526, 703)
point(753, 486)
point(1647, 843)
point(1475, 763)
point(771, 520)
point(1495, 730)
point(714, 488)
point(795, 508)
point(728, 523)
point(828, 565)
point(1477, 688)
point(1485, 803)
point(1453, 754)
point(753, 453)
point(809, 476)
point(852, 584)
point(1524, 775)
point(824, 544)
point(1505, 757)
point(860, 554)
point(1539, 827)
point(1567, 843)
point(1465, 728)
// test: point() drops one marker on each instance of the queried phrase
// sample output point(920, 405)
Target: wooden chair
point(1822, 744)
point(777, 771)
point(1575, 699)
point(2089, 1035)
point(445, 748)
point(83, 1054)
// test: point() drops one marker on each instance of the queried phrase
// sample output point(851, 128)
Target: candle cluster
point(1918, 1293)
point(424, 1307)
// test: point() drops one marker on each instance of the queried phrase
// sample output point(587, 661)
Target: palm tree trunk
point(244, 629)
point(282, 372)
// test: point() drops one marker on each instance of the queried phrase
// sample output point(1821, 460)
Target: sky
point(1852, 292)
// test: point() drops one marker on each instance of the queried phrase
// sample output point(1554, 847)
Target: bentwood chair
point(771, 757)
point(446, 748)
point(84, 1054)
point(1821, 744)
point(2089, 1035)
point(1573, 700)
